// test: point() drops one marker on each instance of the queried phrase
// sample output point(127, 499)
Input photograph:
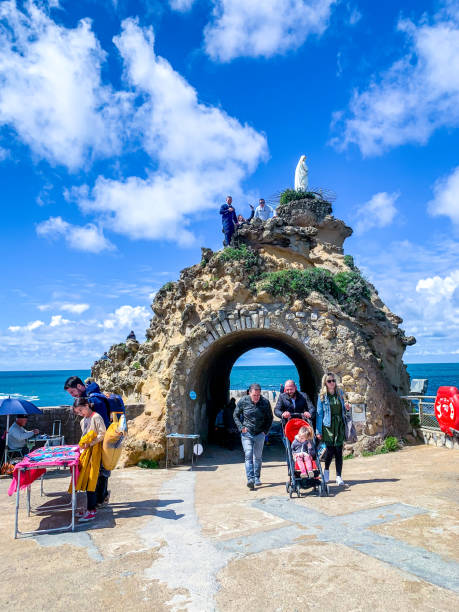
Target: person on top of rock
point(242, 220)
point(253, 417)
point(263, 211)
point(229, 220)
point(331, 423)
point(131, 336)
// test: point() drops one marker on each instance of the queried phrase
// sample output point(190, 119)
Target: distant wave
point(29, 398)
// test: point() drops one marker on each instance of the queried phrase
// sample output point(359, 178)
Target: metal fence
point(422, 411)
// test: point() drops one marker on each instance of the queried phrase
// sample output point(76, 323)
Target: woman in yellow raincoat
point(90, 479)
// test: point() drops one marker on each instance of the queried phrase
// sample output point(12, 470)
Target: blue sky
point(123, 125)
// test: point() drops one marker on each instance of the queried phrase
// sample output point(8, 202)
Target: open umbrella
point(12, 405)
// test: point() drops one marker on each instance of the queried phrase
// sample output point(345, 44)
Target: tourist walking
point(331, 422)
point(263, 211)
point(229, 219)
point(293, 403)
point(253, 417)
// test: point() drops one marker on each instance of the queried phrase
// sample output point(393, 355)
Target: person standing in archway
point(294, 404)
point(331, 423)
point(253, 417)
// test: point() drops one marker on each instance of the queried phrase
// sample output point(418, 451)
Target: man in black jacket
point(294, 404)
point(253, 417)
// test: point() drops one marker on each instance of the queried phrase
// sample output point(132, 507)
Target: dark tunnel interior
point(213, 369)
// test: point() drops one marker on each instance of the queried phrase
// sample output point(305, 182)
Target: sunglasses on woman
point(331, 380)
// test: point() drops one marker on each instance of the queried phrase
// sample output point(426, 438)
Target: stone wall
point(438, 438)
point(70, 424)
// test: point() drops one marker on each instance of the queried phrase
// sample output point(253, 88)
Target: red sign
point(447, 409)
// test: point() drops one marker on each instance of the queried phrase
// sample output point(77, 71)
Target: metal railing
point(422, 411)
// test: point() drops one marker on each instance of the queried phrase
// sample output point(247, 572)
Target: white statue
point(301, 175)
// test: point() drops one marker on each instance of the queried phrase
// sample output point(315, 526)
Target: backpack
point(113, 402)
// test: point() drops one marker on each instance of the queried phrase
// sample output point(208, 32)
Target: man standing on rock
point(253, 417)
point(264, 211)
point(229, 219)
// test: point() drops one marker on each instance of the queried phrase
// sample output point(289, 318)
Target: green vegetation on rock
point(390, 445)
point(290, 195)
point(349, 261)
point(300, 283)
point(168, 286)
point(347, 288)
point(353, 288)
point(241, 253)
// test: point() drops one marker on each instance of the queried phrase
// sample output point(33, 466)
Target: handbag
point(350, 432)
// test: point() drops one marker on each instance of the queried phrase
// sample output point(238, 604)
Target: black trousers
point(337, 453)
point(97, 496)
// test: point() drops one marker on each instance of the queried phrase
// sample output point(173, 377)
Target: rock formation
point(285, 284)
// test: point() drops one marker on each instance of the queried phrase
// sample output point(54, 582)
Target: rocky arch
point(210, 376)
point(220, 308)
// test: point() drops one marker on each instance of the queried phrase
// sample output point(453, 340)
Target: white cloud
point(75, 308)
point(64, 343)
point(419, 283)
point(262, 29)
point(127, 317)
point(437, 289)
point(209, 155)
point(81, 238)
point(418, 94)
point(29, 327)
point(58, 320)
point(446, 200)
point(181, 5)
point(379, 211)
point(70, 115)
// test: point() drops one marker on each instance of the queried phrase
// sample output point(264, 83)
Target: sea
point(46, 387)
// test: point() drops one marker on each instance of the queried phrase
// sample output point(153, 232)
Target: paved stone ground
point(201, 541)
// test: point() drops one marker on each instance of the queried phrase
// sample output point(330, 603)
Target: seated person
point(17, 435)
point(303, 450)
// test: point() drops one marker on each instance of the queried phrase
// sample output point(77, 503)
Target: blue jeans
point(253, 450)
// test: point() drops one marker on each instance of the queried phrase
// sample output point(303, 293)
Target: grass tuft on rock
point(300, 283)
point(242, 253)
point(290, 195)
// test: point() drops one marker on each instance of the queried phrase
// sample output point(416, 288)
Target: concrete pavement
point(201, 541)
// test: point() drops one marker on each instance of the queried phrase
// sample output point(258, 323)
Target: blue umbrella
point(12, 405)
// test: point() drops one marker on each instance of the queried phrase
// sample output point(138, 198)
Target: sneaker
point(303, 475)
point(80, 513)
point(257, 482)
point(310, 474)
point(90, 515)
point(326, 475)
point(339, 481)
point(251, 485)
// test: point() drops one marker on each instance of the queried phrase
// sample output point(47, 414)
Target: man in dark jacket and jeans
point(229, 219)
point(253, 417)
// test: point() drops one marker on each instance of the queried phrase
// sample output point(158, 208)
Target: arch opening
point(210, 377)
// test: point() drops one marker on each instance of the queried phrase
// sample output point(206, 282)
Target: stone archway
point(210, 375)
point(220, 308)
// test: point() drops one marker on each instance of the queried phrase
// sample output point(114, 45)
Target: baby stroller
point(295, 484)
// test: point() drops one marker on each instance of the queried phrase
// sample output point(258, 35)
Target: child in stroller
point(303, 451)
point(299, 471)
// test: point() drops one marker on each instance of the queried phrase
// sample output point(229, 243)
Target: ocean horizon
point(45, 387)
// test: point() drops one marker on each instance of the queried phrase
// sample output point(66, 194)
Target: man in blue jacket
point(76, 388)
point(229, 219)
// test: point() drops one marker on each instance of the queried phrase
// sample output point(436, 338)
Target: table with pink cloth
point(33, 466)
